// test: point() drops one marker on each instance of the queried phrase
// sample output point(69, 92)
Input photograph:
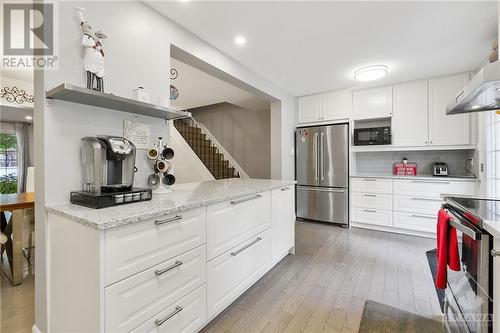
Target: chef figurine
point(94, 54)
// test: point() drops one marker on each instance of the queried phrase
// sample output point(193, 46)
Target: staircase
point(212, 156)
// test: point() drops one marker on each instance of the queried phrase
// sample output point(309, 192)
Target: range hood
point(482, 93)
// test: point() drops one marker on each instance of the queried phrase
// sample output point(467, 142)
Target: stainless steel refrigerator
point(322, 167)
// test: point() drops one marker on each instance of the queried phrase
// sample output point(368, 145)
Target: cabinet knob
point(425, 141)
point(495, 253)
point(430, 141)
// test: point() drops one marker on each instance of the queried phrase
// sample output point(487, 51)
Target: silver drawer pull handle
point(235, 202)
point(370, 210)
point(169, 268)
point(285, 188)
point(429, 182)
point(424, 216)
point(258, 239)
point(370, 195)
point(370, 180)
point(160, 322)
point(425, 199)
point(495, 253)
point(170, 219)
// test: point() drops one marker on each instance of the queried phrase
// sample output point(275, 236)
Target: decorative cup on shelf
point(163, 166)
point(153, 153)
point(168, 179)
point(167, 153)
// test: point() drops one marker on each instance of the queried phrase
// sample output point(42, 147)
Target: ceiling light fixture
point(240, 40)
point(28, 117)
point(370, 73)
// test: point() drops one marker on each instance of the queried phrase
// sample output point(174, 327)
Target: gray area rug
point(381, 318)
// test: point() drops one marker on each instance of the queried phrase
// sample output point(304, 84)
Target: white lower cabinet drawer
point(371, 200)
point(432, 188)
point(417, 204)
point(371, 185)
point(186, 315)
point(130, 302)
point(234, 221)
point(130, 249)
point(415, 221)
point(233, 272)
point(372, 216)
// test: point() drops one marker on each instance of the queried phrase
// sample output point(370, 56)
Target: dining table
point(12, 225)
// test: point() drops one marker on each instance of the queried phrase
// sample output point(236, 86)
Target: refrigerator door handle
point(316, 157)
point(322, 155)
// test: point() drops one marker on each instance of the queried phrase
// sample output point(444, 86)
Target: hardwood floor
point(324, 286)
point(17, 303)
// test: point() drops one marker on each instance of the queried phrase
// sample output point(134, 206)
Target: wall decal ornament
point(16, 95)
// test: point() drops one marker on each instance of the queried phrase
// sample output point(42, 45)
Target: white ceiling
point(306, 47)
point(197, 88)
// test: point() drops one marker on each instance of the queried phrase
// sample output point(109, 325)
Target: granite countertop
point(183, 197)
point(423, 177)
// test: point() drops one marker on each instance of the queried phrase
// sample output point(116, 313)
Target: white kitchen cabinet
point(372, 103)
point(138, 246)
point(372, 216)
point(372, 200)
point(310, 108)
point(336, 105)
point(443, 129)
point(283, 221)
point(187, 315)
point(235, 221)
point(132, 301)
point(416, 221)
point(410, 116)
point(231, 273)
point(329, 106)
point(159, 275)
point(371, 185)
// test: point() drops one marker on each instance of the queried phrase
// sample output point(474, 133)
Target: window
point(493, 155)
point(8, 163)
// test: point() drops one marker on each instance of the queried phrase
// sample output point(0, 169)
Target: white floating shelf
point(71, 93)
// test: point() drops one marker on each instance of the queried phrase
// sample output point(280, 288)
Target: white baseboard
point(393, 230)
point(35, 329)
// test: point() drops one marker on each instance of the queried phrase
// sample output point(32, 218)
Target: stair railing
point(209, 154)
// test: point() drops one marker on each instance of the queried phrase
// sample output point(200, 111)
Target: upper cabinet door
point(443, 129)
point(372, 103)
point(410, 118)
point(336, 105)
point(310, 108)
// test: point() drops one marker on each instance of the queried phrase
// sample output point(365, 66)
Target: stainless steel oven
point(469, 303)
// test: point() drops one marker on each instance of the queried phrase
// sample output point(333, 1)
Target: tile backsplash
point(381, 162)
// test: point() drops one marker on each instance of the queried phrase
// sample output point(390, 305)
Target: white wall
point(137, 54)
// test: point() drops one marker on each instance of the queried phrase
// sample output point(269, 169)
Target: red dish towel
point(447, 249)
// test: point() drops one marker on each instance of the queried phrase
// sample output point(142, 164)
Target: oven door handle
point(474, 234)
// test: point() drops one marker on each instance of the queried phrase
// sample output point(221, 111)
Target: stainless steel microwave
point(372, 136)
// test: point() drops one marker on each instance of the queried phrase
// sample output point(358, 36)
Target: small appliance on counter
point(108, 173)
point(440, 169)
point(372, 136)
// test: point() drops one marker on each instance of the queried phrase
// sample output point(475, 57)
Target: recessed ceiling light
point(28, 117)
point(240, 40)
point(370, 73)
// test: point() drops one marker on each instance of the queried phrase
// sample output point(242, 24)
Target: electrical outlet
point(482, 167)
